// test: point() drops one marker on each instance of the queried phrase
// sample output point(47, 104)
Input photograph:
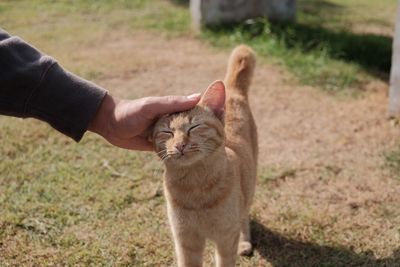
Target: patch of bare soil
point(333, 148)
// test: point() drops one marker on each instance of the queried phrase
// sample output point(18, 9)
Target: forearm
point(34, 85)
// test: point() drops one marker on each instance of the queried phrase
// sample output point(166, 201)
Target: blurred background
point(329, 163)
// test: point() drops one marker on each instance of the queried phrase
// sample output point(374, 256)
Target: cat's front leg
point(245, 248)
point(227, 249)
point(189, 248)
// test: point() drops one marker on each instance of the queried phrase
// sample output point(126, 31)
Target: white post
point(212, 12)
point(394, 92)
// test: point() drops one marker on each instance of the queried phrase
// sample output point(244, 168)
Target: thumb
point(158, 106)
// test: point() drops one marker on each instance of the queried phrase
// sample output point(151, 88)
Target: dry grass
point(325, 197)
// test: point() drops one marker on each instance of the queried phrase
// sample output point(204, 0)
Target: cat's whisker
point(161, 151)
point(165, 157)
point(162, 154)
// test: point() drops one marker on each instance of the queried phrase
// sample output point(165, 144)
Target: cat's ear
point(214, 99)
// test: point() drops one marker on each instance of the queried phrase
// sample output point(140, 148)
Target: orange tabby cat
point(210, 156)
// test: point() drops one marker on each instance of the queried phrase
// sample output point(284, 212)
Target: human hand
point(125, 123)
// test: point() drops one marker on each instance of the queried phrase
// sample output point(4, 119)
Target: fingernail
point(193, 96)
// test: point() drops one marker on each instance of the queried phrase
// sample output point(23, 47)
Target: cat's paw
point(245, 249)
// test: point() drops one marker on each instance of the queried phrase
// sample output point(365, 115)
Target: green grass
point(393, 162)
point(311, 62)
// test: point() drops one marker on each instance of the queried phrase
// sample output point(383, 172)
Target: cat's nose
point(180, 147)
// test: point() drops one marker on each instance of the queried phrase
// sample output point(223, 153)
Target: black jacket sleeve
point(35, 85)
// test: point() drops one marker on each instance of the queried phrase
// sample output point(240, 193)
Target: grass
point(89, 204)
point(311, 62)
point(392, 162)
point(60, 196)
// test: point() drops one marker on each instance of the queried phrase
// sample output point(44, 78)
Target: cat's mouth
point(185, 157)
point(184, 154)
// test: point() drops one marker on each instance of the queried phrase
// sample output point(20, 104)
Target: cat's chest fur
point(210, 222)
point(206, 197)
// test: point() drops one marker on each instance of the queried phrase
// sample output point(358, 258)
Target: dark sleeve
point(35, 85)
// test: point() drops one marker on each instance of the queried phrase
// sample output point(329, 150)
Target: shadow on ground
point(281, 251)
point(372, 52)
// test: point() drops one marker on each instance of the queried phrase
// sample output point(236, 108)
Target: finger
point(158, 106)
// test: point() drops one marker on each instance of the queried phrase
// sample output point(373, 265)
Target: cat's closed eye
point(193, 127)
point(165, 134)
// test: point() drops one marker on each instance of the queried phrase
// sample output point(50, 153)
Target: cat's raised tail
point(240, 71)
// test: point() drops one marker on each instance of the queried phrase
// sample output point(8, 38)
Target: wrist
point(101, 123)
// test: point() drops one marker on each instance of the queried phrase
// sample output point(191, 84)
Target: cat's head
point(185, 138)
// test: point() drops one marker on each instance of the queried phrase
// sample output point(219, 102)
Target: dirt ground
point(326, 153)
